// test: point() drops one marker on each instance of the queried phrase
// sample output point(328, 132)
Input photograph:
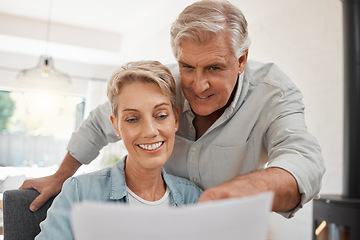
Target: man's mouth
point(152, 146)
point(204, 97)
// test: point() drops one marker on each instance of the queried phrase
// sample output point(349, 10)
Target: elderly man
point(242, 128)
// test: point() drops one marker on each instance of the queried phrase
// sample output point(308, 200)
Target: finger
point(26, 185)
point(39, 201)
point(203, 199)
point(206, 197)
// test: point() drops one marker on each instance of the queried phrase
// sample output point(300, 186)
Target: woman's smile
point(152, 146)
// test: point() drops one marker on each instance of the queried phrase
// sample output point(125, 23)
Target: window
point(35, 127)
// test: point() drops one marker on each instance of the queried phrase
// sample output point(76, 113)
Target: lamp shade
point(44, 75)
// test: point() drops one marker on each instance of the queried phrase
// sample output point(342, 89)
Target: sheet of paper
point(242, 218)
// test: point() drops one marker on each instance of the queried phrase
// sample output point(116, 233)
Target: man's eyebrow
point(215, 64)
point(184, 63)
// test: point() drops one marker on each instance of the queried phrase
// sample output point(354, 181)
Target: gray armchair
point(19, 222)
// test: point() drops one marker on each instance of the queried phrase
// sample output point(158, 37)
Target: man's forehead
point(217, 49)
point(203, 59)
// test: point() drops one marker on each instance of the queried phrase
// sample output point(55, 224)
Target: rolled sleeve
point(292, 148)
point(94, 133)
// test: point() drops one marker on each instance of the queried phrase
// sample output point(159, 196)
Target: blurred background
point(81, 43)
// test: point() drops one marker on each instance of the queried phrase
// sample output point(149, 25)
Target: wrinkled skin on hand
point(279, 181)
point(47, 187)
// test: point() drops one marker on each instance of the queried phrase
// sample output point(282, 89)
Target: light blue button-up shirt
point(106, 185)
point(263, 127)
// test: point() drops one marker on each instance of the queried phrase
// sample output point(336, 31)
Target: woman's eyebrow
point(130, 110)
point(136, 110)
point(161, 104)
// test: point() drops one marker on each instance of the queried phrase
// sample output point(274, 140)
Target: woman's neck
point(146, 183)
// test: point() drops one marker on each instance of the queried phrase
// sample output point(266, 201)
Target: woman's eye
point(131, 120)
point(162, 116)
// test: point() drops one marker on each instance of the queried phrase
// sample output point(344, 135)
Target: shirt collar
point(118, 183)
point(176, 196)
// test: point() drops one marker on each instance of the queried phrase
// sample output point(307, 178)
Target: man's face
point(208, 73)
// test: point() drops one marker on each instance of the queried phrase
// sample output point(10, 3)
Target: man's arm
point(94, 133)
point(277, 180)
point(51, 185)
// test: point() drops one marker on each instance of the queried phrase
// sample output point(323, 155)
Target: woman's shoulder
point(180, 183)
point(102, 173)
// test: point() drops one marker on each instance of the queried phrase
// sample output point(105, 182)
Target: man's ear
point(242, 62)
point(115, 125)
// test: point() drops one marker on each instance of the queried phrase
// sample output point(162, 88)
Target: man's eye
point(187, 67)
point(214, 68)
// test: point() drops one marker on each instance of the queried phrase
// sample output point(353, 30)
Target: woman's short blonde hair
point(141, 71)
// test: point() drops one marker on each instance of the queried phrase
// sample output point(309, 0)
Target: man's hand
point(47, 187)
point(51, 185)
point(281, 182)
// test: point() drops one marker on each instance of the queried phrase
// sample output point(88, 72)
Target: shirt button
point(194, 149)
point(190, 126)
point(194, 179)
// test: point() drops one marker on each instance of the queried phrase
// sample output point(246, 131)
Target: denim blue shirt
point(103, 186)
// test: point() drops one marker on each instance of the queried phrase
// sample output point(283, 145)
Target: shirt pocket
point(228, 162)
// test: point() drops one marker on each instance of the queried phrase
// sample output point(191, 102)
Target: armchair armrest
point(19, 222)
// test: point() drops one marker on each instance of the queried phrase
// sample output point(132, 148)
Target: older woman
point(145, 117)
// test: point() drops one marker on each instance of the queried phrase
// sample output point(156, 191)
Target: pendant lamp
point(44, 74)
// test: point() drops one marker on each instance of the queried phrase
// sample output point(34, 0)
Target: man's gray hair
point(202, 20)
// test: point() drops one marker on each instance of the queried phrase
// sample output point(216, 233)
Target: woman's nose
point(150, 129)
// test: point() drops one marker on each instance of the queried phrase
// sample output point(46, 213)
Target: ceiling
point(89, 38)
point(105, 32)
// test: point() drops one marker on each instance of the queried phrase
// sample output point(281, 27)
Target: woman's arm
point(57, 224)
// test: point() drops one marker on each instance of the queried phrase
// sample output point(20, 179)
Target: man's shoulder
point(257, 73)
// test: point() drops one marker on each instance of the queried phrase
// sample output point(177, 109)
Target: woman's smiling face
point(146, 123)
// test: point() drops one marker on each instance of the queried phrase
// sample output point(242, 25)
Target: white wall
point(304, 37)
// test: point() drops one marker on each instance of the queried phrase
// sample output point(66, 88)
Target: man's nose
point(200, 82)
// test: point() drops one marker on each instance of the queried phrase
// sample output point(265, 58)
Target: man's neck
point(203, 123)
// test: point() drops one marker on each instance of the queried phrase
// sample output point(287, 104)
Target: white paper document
point(242, 218)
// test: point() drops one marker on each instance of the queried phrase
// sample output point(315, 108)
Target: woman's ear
point(177, 119)
point(115, 124)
